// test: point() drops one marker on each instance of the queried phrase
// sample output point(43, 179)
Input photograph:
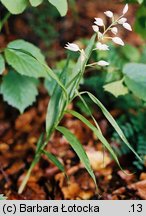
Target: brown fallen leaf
point(140, 188)
point(127, 178)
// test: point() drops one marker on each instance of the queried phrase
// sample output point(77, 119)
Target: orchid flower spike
point(102, 63)
point(72, 47)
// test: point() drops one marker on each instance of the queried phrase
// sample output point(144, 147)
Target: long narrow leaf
point(54, 160)
point(78, 148)
point(98, 134)
point(112, 122)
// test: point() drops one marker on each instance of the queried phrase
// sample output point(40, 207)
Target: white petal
point(122, 20)
point(125, 10)
point(101, 46)
point(95, 28)
point(102, 63)
point(127, 26)
point(118, 40)
point(99, 22)
point(72, 46)
point(109, 14)
point(114, 30)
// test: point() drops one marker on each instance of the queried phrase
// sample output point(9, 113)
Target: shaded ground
point(19, 133)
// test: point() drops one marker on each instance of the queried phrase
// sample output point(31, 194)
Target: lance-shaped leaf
point(98, 134)
point(112, 122)
point(78, 148)
point(54, 160)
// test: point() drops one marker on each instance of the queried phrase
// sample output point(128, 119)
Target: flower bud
point(99, 22)
point(109, 14)
point(118, 40)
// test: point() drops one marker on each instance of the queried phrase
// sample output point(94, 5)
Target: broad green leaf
point(54, 160)
point(112, 122)
point(15, 6)
point(97, 133)
point(24, 64)
point(140, 21)
point(140, 1)
point(61, 6)
point(28, 48)
point(2, 197)
point(29, 61)
point(78, 148)
point(19, 91)
point(35, 3)
point(128, 49)
point(135, 79)
point(2, 64)
point(116, 88)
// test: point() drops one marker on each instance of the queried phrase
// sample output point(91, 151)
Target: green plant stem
point(4, 20)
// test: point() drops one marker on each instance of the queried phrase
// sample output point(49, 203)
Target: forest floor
point(19, 133)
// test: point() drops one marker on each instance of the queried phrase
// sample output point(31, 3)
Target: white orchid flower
point(109, 14)
point(122, 20)
point(99, 22)
point(95, 28)
point(114, 30)
point(127, 26)
point(72, 47)
point(118, 40)
point(102, 63)
point(101, 46)
point(125, 10)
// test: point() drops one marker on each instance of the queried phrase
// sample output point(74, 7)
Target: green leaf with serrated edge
point(19, 91)
point(112, 121)
point(78, 148)
point(24, 64)
point(98, 134)
point(135, 79)
point(116, 88)
point(54, 160)
point(2, 64)
point(28, 48)
point(61, 6)
point(35, 3)
point(30, 51)
point(15, 6)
